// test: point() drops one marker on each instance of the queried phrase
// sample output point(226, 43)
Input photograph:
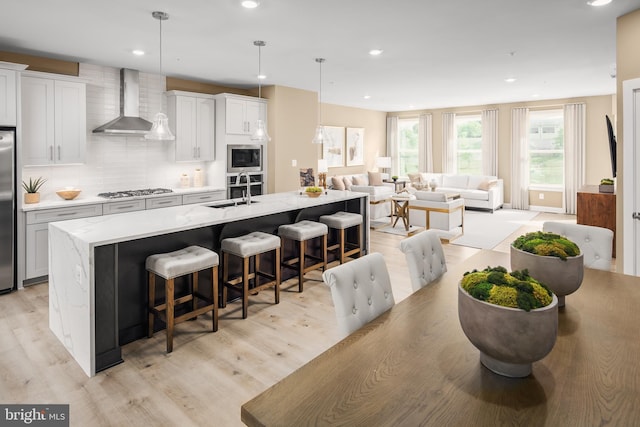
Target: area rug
point(485, 230)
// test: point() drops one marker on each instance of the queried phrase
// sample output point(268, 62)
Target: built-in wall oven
point(237, 185)
point(244, 158)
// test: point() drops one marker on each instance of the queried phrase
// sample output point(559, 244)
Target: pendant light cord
point(259, 71)
point(160, 46)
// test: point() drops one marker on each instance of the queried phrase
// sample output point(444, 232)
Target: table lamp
point(322, 173)
point(383, 163)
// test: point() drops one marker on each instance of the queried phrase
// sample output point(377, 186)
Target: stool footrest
point(176, 301)
point(195, 313)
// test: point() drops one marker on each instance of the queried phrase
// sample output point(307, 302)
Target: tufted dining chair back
point(361, 291)
point(596, 243)
point(425, 258)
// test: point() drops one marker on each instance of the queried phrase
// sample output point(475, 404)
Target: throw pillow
point(415, 178)
point(337, 183)
point(347, 182)
point(375, 178)
point(359, 180)
point(486, 185)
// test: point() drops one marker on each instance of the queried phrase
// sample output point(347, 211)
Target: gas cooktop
point(133, 193)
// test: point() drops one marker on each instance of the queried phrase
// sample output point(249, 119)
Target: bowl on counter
point(68, 194)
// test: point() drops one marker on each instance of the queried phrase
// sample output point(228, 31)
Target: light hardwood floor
point(209, 375)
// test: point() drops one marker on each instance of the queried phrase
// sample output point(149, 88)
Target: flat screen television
point(612, 146)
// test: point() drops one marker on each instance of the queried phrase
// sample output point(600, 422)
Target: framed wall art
point(333, 151)
point(355, 147)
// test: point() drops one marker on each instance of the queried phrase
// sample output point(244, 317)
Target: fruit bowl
point(68, 194)
point(310, 194)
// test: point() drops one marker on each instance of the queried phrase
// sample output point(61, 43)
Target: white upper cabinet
point(192, 118)
point(54, 124)
point(237, 116)
point(8, 98)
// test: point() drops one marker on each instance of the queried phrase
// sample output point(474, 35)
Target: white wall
point(117, 162)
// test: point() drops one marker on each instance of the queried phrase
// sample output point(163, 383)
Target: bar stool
point(342, 221)
point(169, 266)
point(302, 232)
point(245, 247)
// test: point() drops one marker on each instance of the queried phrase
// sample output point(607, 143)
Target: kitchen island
point(97, 277)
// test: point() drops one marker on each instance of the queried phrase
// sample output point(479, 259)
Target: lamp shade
point(383, 162)
point(160, 129)
point(322, 166)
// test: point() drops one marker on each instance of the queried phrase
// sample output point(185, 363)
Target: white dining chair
point(596, 243)
point(361, 291)
point(425, 258)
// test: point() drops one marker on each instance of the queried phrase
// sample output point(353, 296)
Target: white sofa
point(432, 210)
point(478, 191)
point(379, 204)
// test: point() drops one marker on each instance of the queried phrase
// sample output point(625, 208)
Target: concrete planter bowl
point(509, 339)
point(562, 277)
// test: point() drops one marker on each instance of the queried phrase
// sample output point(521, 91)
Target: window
point(469, 144)
point(408, 146)
point(546, 148)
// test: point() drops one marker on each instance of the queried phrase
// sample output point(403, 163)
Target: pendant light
point(260, 134)
point(321, 135)
point(160, 128)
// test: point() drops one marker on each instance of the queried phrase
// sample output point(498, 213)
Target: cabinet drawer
point(188, 199)
point(123, 206)
point(163, 202)
point(62, 214)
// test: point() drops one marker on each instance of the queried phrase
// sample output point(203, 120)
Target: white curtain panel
point(519, 158)
point(392, 143)
point(425, 136)
point(448, 142)
point(574, 153)
point(490, 142)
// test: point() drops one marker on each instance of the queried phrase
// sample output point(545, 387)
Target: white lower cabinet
point(37, 234)
point(211, 196)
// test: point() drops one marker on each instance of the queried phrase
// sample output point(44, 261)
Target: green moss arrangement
point(547, 244)
point(516, 289)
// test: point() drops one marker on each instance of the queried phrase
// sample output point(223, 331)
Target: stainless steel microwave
point(244, 158)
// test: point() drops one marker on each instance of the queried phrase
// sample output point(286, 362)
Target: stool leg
point(152, 303)
point(277, 286)
point(359, 231)
point(225, 278)
point(169, 313)
point(214, 296)
point(194, 291)
point(245, 285)
point(324, 252)
point(301, 247)
point(342, 257)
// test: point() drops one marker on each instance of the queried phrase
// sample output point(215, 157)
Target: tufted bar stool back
point(425, 258)
point(190, 260)
point(596, 243)
point(251, 245)
point(361, 291)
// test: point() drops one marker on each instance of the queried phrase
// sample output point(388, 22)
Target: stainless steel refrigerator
point(7, 209)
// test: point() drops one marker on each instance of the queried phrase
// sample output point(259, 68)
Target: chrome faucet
point(248, 190)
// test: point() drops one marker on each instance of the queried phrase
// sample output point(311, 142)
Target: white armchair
point(379, 192)
point(425, 258)
point(596, 243)
point(432, 210)
point(361, 291)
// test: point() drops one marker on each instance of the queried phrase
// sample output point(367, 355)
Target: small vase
point(198, 178)
point(31, 198)
point(184, 180)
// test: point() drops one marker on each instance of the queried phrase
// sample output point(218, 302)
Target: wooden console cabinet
point(599, 209)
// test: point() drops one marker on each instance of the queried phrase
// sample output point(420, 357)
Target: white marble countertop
point(88, 199)
point(107, 229)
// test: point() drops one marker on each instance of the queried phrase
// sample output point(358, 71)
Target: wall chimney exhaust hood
point(128, 123)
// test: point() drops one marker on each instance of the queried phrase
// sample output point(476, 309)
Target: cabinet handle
point(198, 152)
point(125, 207)
point(51, 152)
point(194, 152)
point(58, 152)
point(164, 203)
point(66, 214)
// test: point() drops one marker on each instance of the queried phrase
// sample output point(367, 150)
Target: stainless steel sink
point(230, 204)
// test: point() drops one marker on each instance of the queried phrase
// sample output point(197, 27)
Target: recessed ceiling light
point(367, 97)
point(250, 4)
point(510, 80)
point(138, 52)
point(375, 52)
point(262, 76)
point(535, 95)
point(598, 2)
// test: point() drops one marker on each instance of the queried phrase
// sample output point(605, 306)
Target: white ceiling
point(436, 53)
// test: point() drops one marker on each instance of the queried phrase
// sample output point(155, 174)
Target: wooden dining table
point(413, 366)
